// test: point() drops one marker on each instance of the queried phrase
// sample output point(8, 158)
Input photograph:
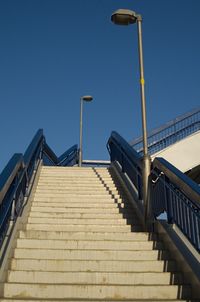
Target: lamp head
point(87, 98)
point(124, 17)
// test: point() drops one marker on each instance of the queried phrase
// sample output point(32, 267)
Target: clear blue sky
point(54, 51)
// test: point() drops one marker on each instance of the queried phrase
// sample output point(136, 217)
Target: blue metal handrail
point(17, 175)
point(128, 158)
point(172, 132)
point(8, 179)
point(68, 158)
point(171, 190)
point(177, 195)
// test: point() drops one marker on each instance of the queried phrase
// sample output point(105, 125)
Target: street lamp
point(86, 98)
point(126, 17)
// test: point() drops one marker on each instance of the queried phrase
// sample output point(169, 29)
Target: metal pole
point(81, 133)
point(146, 157)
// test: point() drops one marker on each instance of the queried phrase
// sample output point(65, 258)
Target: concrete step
point(74, 177)
point(92, 265)
point(88, 184)
point(86, 208)
point(96, 191)
point(81, 201)
point(80, 205)
point(99, 169)
point(59, 169)
point(82, 221)
point(106, 292)
point(73, 191)
point(59, 254)
point(83, 228)
point(75, 188)
point(85, 278)
point(76, 170)
point(75, 194)
point(88, 300)
point(83, 236)
point(69, 169)
point(64, 198)
point(86, 245)
point(67, 174)
point(71, 186)
point(65, 209)
point(66, 180)
point(71, 174)
point(81, 215)
point(51, 168)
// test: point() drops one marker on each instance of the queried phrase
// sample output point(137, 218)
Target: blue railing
point(171, 190)
point(177, 195)
point(68, 158)
point(129, 160)
point(16, 177)
point(172, 132)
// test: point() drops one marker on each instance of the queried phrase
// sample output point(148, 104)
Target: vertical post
point(81, 133)
point(146, 157)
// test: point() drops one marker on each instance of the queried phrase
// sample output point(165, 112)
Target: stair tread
point(32, 253)
point(94, 291)
point(83, 244)
point(140, 236)
point(93, 265)
point(104, 278)
point(89, 300)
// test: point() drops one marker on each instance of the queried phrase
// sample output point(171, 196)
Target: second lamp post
point(86, 98)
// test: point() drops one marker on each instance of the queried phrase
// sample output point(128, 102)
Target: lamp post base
point(146, 190)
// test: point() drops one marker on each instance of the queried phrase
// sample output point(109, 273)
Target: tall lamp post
point(86, 98)
point(126, 17)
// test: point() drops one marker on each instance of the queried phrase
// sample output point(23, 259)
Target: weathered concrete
point(63, 291)
point(82, 241)
point(92, 265)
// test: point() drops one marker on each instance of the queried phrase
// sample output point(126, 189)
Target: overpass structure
point(178, 141)
point(71, 233)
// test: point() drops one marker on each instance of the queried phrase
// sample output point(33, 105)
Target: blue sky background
point(54, 51)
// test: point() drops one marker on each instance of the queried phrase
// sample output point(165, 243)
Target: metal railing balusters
point(197, 227)
point(183, 209)
point(170, 133)
point(192, 225)
point(182, 200)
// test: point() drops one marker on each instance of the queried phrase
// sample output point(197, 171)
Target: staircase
point(83, 242)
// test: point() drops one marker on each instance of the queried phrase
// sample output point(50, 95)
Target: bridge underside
point(184, 155)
